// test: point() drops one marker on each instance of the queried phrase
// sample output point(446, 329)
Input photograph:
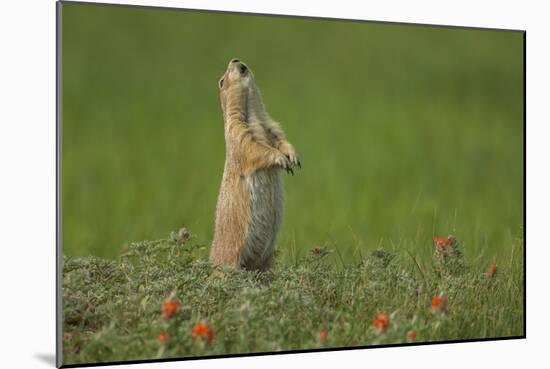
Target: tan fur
point(250, 202)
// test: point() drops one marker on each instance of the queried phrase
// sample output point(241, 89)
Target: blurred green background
point(405, 132)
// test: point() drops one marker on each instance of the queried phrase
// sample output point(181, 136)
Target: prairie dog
point(250, 202)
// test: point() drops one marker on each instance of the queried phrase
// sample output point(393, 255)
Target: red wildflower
point(443, 243)
point(439, 240)
point(170, 308)
point(203, 331)
point(316, 250)
point(411, 336)
point(439, 303)
point(381, 323)
point(492, 270)
point(163, 337)
point(323, 336)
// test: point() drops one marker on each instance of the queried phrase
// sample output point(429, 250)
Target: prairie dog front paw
point(288, 150)
point(284, 162)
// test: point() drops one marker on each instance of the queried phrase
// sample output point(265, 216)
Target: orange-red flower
point(316, 250)
point(439, 240)
point(443, 243)
point(411, 336)
point(203, 331)
point(170, 308)
point(323, 336)
point(381, 323)
point(439, 304)
point(163, 337)
point(492, 270)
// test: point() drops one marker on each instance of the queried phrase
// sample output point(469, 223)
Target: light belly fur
point(266, 211)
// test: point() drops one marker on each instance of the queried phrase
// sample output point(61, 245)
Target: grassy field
point(404, 132)
point(159, 301)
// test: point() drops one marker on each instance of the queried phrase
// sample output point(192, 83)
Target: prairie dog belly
point(266, 210)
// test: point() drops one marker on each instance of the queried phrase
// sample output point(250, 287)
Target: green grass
point(112, 309)
point(405, 132)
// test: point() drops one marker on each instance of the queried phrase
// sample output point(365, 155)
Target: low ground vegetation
point(161, 299)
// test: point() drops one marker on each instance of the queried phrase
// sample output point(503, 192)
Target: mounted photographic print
point(246, 184)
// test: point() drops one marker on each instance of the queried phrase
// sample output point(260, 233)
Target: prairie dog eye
point(220, 84)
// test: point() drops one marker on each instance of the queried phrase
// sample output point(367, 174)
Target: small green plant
point(161, 299)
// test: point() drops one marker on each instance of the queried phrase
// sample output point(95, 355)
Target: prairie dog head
point(238, 92)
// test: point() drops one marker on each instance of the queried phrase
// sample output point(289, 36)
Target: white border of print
point(27, 188)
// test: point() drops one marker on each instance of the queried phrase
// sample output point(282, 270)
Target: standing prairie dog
point(250, 202)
